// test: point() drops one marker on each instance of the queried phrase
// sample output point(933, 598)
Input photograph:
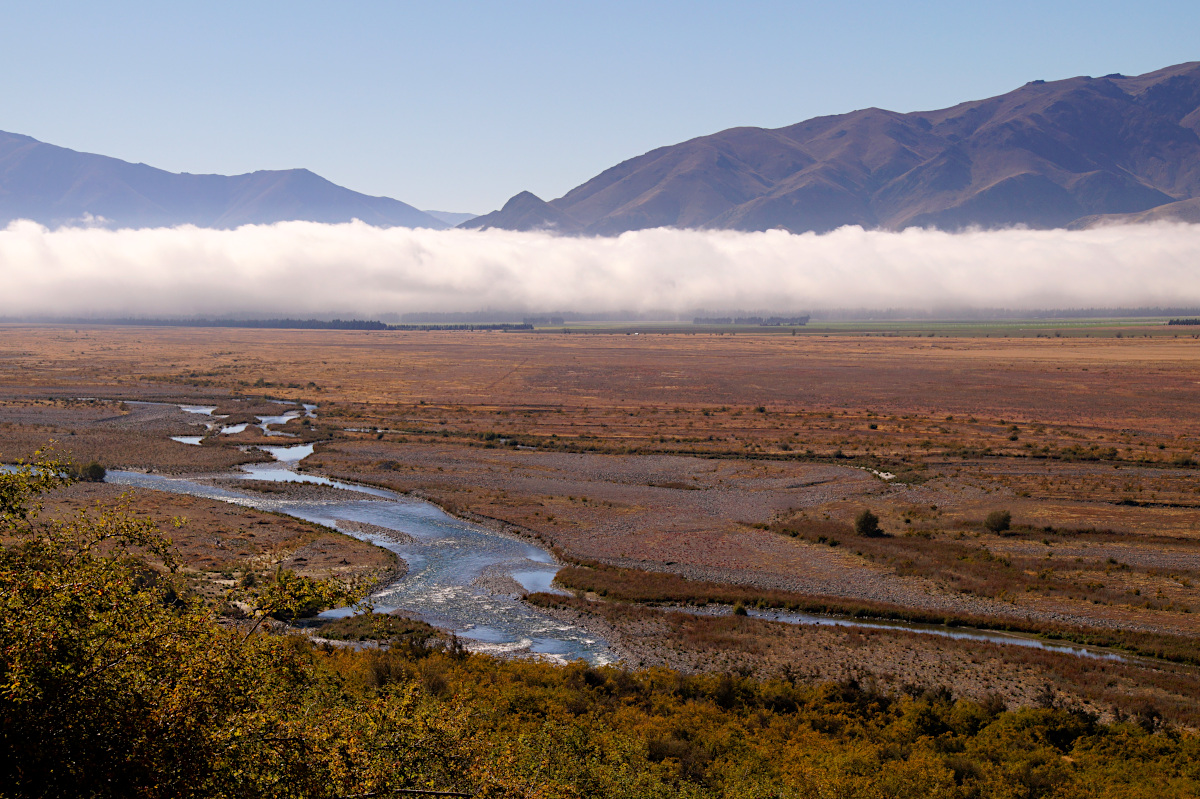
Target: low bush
point(866, 524)
point(93, 472)
point(998, 521)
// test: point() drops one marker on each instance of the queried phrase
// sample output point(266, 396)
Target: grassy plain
point(729, 457)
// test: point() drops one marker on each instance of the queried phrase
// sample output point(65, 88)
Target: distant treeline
point(504, 320)
point(298, 324)
point(492, 316)
point(502, 326)
point(277, 324)
point(291, 324)
point(761, 321)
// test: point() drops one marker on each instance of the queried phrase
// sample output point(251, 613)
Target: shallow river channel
point(452, 562)
point(447, 558)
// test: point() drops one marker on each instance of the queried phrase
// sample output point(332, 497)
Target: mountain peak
point(526, 212)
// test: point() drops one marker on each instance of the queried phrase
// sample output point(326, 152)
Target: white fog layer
point(309, 269)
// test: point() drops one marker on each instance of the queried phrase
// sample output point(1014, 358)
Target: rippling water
point(446, 558)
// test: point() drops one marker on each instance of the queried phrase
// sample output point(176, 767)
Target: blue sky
point(458, 105)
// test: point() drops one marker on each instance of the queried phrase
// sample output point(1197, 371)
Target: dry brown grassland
point(736, 460)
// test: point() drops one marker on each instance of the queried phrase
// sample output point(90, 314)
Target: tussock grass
point(968, 558)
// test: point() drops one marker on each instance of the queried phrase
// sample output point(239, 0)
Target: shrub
point(867, 524)
point(94, 472)
point(998, 521)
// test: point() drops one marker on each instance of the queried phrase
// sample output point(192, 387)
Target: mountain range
point(1066, 153)
point(56, 186)
point(1069, 153)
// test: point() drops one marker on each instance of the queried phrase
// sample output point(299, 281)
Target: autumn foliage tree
point(114, 683)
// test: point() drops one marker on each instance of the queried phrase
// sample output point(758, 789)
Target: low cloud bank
point(308, 269)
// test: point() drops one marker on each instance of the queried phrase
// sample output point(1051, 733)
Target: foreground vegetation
point(114, 682)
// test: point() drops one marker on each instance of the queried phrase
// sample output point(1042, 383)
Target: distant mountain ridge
point(1073, 152)
point(56, 186)
point(451, 218)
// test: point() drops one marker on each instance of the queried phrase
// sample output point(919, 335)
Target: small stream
point(940, 630)
point(451, 561)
